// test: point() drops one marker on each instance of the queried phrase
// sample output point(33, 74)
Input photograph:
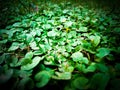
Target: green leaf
point(46, 26)
point(68, 23)
point(29, 55)
point(37, 52)
point(14, 46)
point(34, 46)
point(72, 34)
point(62, 76)
point(90, 68)
point(33, 64)
point(82, 29)
point(17, 24)
point(25, 61)
point(80, 83)
point(2, 58)
point(42, 78)
point(77, 56)
point(85, 60)
point(81, 67)
point(102, 52)
point(52, 33)
point(102, 67)
point(95, 40)
point(29, 38)
point(62, 19)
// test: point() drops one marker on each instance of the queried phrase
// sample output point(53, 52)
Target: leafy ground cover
point(61, 47)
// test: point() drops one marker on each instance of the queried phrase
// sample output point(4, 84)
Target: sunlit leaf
point(52, 33)
point(82, 29)
point(17, 24)
point(33, 64)
point(14, 46)
point(46, 26)
point(29, 38)
point(62, 76)
point(34, 46)
point(77, 56)
point(68, 23)
point(95, 40)
point(29, 55)
point(62, 19)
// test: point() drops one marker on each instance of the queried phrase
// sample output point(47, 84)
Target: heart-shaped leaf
point(33, 64)
point(42, 78)
point(14, 46)
point(102, 52)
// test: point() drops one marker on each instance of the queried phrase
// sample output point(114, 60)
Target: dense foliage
point(62, 46)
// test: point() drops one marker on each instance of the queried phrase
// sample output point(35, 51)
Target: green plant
point(60, 44)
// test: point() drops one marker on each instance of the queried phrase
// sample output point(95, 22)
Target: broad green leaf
point(69, 48)
point(63, 19)
point(22, 46)
point(33, 24)
point(38, 32)
point(77, 56)
point(87, 19)
point(25, 61)
point(81, 67)
point(3, 41)
point(29, 55)
point(2, 58)
point(68, 23)
point(102, 67)
point(99, 81)
point(42, 78)
point(17, 24)
point(14, 62)
point(52, 33)
point(95, 40)
point(34, 46)
point(72, 34)
point(82, 29)
point(90, 68)
point(80, 83)
point(14, 46)
point(33, 64)
point(46, 26)
point(62, 76)
point(85, 60)
point(29, 38)
point(102, 52)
